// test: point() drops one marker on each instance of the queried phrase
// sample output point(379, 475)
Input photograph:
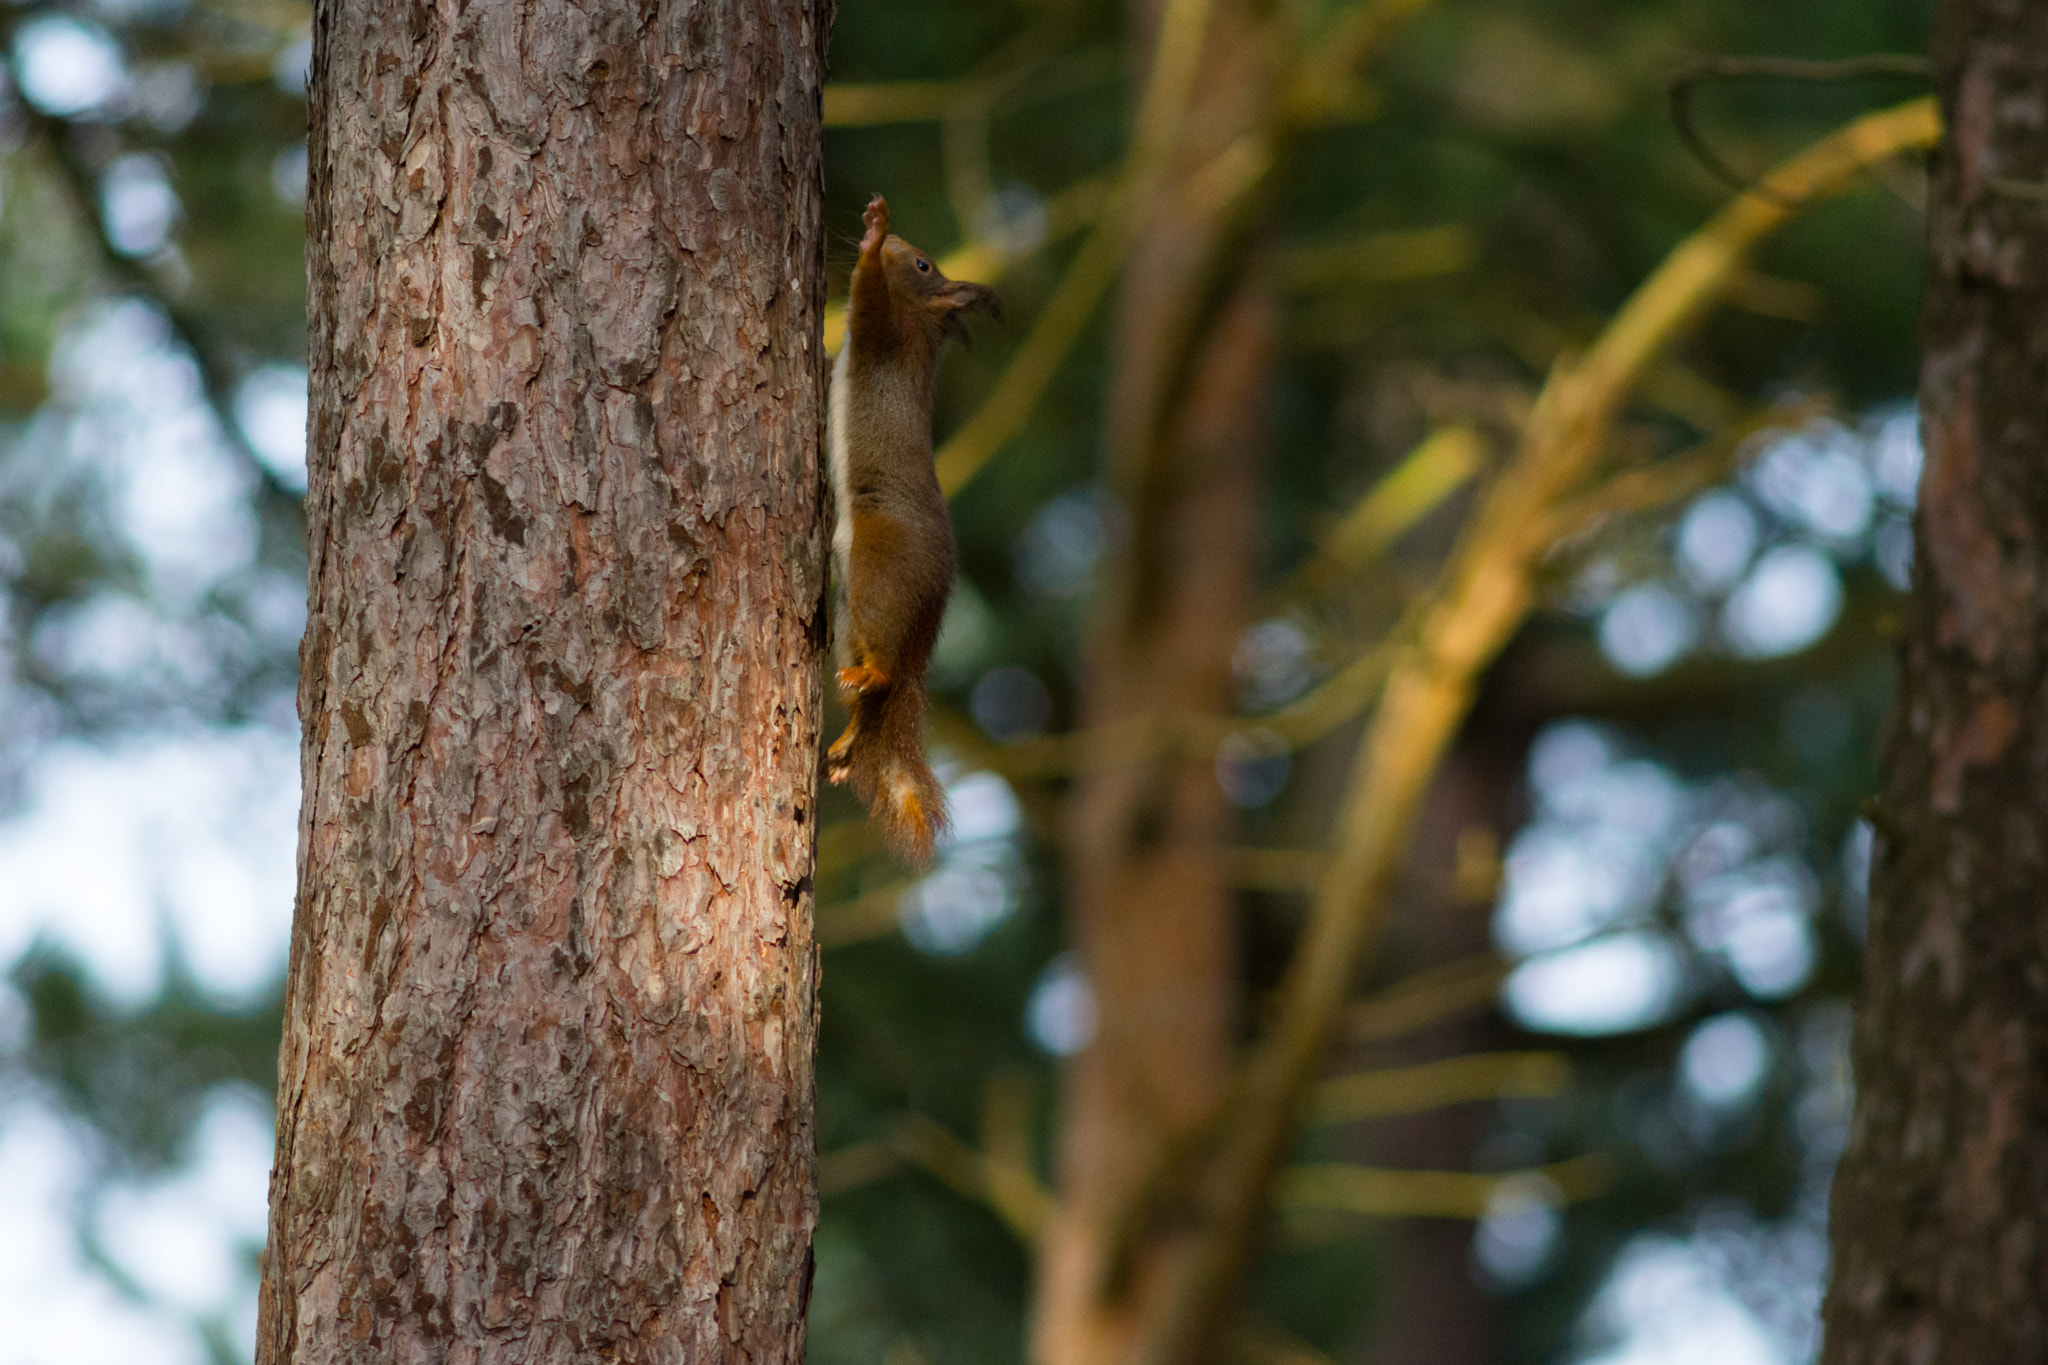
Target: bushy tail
point(882, 756)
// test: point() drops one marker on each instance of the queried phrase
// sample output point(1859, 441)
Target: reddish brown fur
point(897, 568)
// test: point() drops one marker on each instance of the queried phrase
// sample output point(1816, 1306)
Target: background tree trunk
point(1151, 911)
point(547, 1065)
point(1941, 1203)
point(1433, 1310)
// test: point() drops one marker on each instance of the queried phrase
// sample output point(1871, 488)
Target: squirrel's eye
point(924, 265)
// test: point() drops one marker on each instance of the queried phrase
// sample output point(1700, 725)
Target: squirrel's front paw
point(876, 216)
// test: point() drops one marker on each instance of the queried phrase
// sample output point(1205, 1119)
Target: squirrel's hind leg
point(863, 677)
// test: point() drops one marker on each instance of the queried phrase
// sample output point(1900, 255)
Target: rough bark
point(1150, 910)
point(1941, 1203)
point(546, 1083)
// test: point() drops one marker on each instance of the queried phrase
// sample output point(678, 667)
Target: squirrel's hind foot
point(839, 758)
point(863, 678)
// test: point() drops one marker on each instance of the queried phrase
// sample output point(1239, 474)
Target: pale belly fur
point(842, 477)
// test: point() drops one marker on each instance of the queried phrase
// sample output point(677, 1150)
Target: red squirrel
point(893, 544)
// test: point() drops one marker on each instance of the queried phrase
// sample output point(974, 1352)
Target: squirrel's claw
point(839, 758)
point(863, 678)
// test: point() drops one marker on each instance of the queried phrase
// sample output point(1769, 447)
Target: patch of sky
point(1012, 220)
point(1630, 887)
point(1060, 1014)
point(1274, 661)
point(189, 1240)
point(1518, 1236)
point(270, 407)
point(67, 67)
point(1614, 984)
point(137, 204)
point(1011, 703)
point(1758, 919)
point(294, 65)
point(1788, 602)
point(1724, 1285)
point(966, 635)
point(1756, 566)
point(1893, 448)
point(168, 95)
point(60, 1307)
point(129, 406)
point(162, 841)
point(1716, 539)
point(1725, 1060)
point(1060, 549)
point(1817, 479)
point(1252, 767)
point(1669, 1301)
point(1854, 860)
point(980, 873)
point(1647, 628)
point(288, 175)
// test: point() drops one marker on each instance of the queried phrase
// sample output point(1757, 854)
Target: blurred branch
point(1144, 738)
point(856, 105)
point(1299, 723)
point(1771, 297)
point(1445, 461)
point(1635, 491)
point(1434, 470)
point(1012, 1191)
point(1700, 69)
point(871, 915)
point(1324, 86)
point(1175, 57)
point(255, 33)
point(1452, 990)
point(1329, 705)
point(1670, 384)
point(1006, 1112)
point(1053, 333)
point(1433, 1085)
point(272, 16)
point(1273, 869)
point(1380, 1193)
point(1066, 313)
point(1255, 1341)
point(1485, 592)
point(1006, 1187)
point(1011, 79)
point(1379, 258)
point(849, 1168)
point(970, 179)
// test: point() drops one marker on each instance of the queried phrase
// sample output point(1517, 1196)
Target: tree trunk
point(1941, 1204)
point(1433, 1309)
point(1151, 912)
point(546, 1083)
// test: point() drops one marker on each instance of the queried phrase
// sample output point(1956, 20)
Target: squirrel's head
point(913, 277)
